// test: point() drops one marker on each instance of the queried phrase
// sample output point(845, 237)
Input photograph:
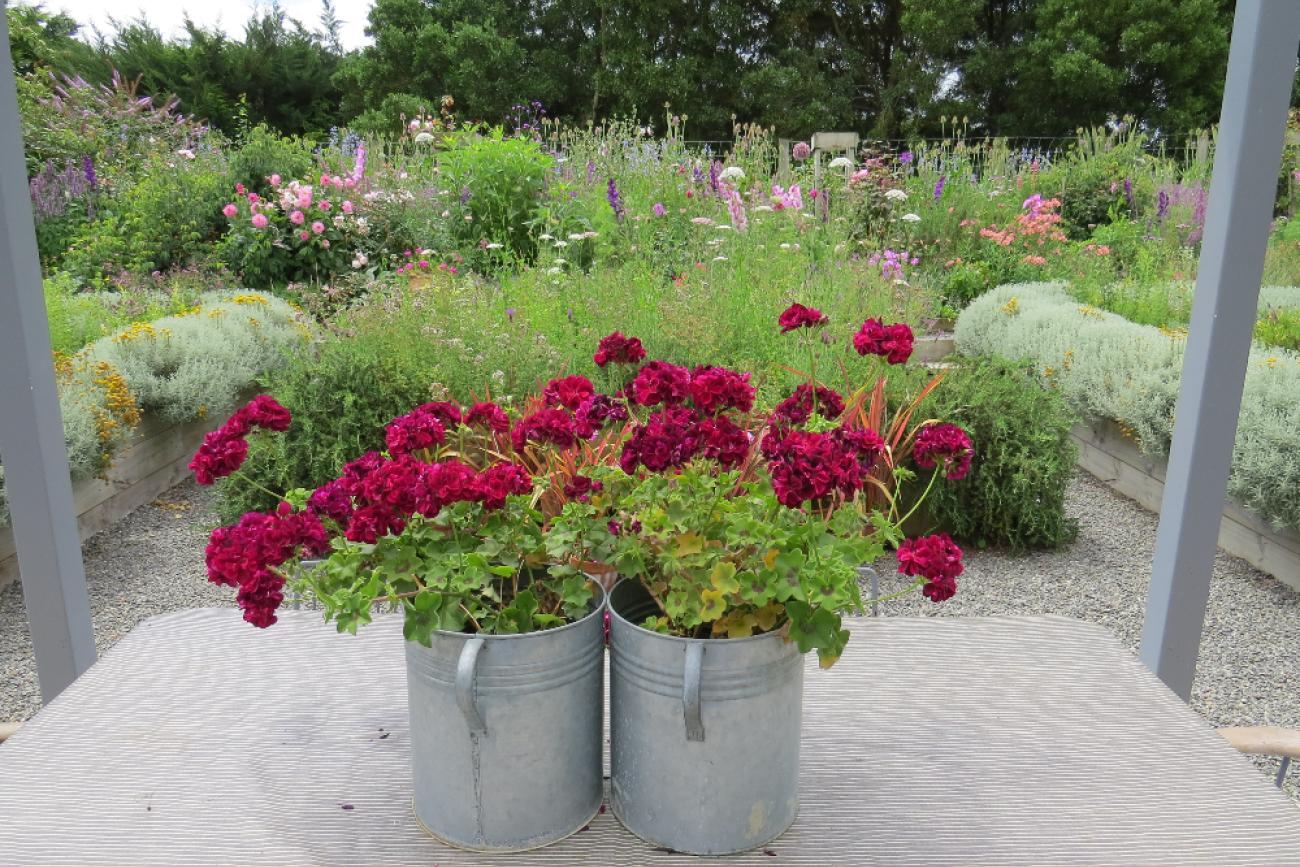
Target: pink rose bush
point(298, 230)
point(737, 519)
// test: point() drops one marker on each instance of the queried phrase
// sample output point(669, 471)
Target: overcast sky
point(230, 15)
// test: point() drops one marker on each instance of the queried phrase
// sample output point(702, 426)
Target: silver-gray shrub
point(1109, 368)
point(189, 366)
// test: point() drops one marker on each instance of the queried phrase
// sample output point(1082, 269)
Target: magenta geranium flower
point(798, 316)
point(935, 558)
point(660, 382)
point(568, 392)
point(947, 444)
point(617, 349)
point(892, 342)
point(717, 389)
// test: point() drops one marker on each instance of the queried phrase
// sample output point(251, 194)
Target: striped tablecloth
point(199, 740)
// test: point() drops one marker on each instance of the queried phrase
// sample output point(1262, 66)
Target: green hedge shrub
point(1014, 496)
point(341, 396)
point(1106, 367)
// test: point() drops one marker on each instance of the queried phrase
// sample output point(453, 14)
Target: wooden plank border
point(1105, 452)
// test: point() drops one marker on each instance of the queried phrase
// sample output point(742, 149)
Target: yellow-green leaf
point(767, 616)
point(723, 578)
point(714, 605)
point(689, 543)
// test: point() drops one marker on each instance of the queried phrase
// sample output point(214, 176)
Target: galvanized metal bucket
point(506, 734)
point(704, 733)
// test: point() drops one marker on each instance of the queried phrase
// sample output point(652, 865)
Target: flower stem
point(900, 594)
point(258, 486)
point(918, 503)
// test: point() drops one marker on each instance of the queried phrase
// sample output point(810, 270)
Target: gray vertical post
point(1261, 67)
point(31, 429)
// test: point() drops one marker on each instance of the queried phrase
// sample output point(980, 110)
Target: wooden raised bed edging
point(155, 460)
point(1116, 460)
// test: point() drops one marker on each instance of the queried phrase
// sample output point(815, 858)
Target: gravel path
point(1249, 672)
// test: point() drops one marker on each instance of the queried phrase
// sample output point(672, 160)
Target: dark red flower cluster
point(568, 392)
point(333, 500)
point(419, 429)
point(488, 415)
point(244, 555)
point(893, 342)
point(581, 488)
point(866, 443)
point(660, 382)
point(595, 412)
point(937, 559)
point(224, 450)
point(798, 316)
point(552, 426)
point(502, 480)
point(387, 496)
point(721, 440)
point(220, 455)
point(715, 389)
point(809, 466)
point(618, 349)
point(265, 412)
point(947, 444)
point(796, 408)
point(667, 439)
point(444, 411)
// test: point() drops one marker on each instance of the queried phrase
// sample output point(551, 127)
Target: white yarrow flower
point(424, 138)
point(493, 246)
point(911, 218)
point(732, 172)
point(841, 163)
point(896, 195)
point(547, 237)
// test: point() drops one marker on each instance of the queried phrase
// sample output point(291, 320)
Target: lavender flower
point(465, 195)
point(938, 188)
point(659, 210)
point(714, 168)
point(1162, 206)
point(591, 171)
point(88, 169)
point(906, 157)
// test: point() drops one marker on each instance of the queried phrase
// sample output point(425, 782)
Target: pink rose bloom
point(324, 204)
point(239, 188)
point(424, 263)
point(297, 218)
point(318, 227)
point(350, 183)
point(230, 210)
point(347, 206)
point(324, 180)
point(275, 180)
point(325, 242)
point(260, 221)
point(254, 197)
point(304, 235)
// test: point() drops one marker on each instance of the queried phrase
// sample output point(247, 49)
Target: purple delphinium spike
point(615, 200)
point(938, 188)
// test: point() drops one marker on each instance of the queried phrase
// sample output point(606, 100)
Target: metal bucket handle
point(466, 674)
point(691, 690)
